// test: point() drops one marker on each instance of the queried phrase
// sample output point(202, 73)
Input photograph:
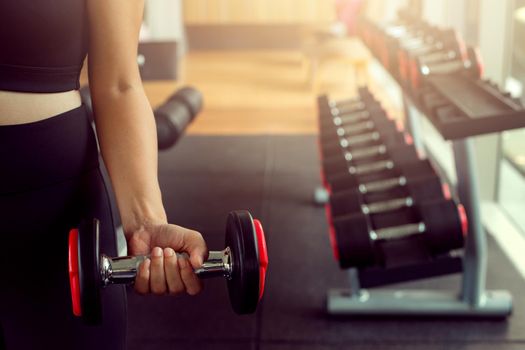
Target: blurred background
point(260, 64)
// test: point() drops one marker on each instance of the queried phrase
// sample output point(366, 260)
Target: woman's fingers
point(181, 240)
point(157, 278)
point(191, 281)
point(166, 272)
point(196, 248)
point(142, 279)
point(171, 269)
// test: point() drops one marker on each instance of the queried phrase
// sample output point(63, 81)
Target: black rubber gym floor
point(204, 178)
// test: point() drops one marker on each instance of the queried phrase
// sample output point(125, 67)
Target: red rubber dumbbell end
point(74, 280)
point(263, 255)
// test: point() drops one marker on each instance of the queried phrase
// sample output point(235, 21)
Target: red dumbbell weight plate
point(84, 271)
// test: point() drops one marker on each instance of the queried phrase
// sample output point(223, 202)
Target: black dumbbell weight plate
point(446, 225)
point(244, 286)
point(345, 202)
point(355, 247)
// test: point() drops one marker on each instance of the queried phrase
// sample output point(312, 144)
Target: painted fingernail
point(157, 252)
point(169, 252)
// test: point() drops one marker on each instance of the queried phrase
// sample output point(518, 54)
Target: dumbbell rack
point(479, 109)
point(472, 300)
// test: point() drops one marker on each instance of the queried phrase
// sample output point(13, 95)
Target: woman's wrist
point(141, 214)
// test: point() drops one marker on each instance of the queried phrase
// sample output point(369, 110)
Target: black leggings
point(49, 180)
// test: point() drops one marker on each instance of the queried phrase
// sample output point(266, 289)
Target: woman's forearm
point(128, 142)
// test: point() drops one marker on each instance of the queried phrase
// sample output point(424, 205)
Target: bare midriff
point(23, 107)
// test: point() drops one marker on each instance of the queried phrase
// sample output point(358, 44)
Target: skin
point(127, 135)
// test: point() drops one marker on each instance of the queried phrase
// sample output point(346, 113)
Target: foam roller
point(174, 115)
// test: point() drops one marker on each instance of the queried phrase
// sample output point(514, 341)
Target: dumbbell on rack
point(472, 66)
point(333, 125)
point(330, 108)
point(386, 136)
point(400, 175)
point(441, 224)
point(366, 160)
point(326, 105)
point(355, 123)
point(370, 201)
point(242, 263)
point(175, 114)
point(446, 43)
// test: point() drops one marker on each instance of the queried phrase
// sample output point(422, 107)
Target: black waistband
point(46, 152)
point(39, 79)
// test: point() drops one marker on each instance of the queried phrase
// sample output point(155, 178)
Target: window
point(511, 188)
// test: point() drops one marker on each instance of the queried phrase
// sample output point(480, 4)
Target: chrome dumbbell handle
point(397, 232)
point(345, 109)
point(382, 185)
point(371, 167)
point(356, 128)
point(123, 270)
point(358, 139)
point(443, 68)
point(365, 153)
point(383, 206)
point(350, 102)
point(351, 118)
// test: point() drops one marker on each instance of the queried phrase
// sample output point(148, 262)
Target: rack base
point(496, 303)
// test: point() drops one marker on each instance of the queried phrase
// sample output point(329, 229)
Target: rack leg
point(475, 260)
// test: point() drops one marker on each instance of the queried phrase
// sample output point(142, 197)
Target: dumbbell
point(359, 123)
point(174, 115)
point(360, 199)
point(387, 138)
point(370, 113)
point(365, 150)
point(242, 263)
point(447, 43)
point(472, 66)
point(334, 117)
point(331, 111)
point(355, 103)
point(359, 136)
point(416, 61)
point(348, 130)
point(363, 160)
point(441, 224)
point(400, 175)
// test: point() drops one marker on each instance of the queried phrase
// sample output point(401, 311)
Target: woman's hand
point(166, 272)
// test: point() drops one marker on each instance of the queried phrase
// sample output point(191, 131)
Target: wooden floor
point(256, 92)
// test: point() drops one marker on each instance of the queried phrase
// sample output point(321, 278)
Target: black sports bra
point(43, 44)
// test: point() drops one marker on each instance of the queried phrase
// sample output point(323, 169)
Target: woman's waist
point(45, 152)
point(21, 108)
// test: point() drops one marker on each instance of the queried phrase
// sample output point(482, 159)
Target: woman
point(49, 173)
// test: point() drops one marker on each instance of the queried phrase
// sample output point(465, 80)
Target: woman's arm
point(127, 135)
point(124, 119)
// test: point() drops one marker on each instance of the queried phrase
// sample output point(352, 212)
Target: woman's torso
point(22, 108)
point(42, 48)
